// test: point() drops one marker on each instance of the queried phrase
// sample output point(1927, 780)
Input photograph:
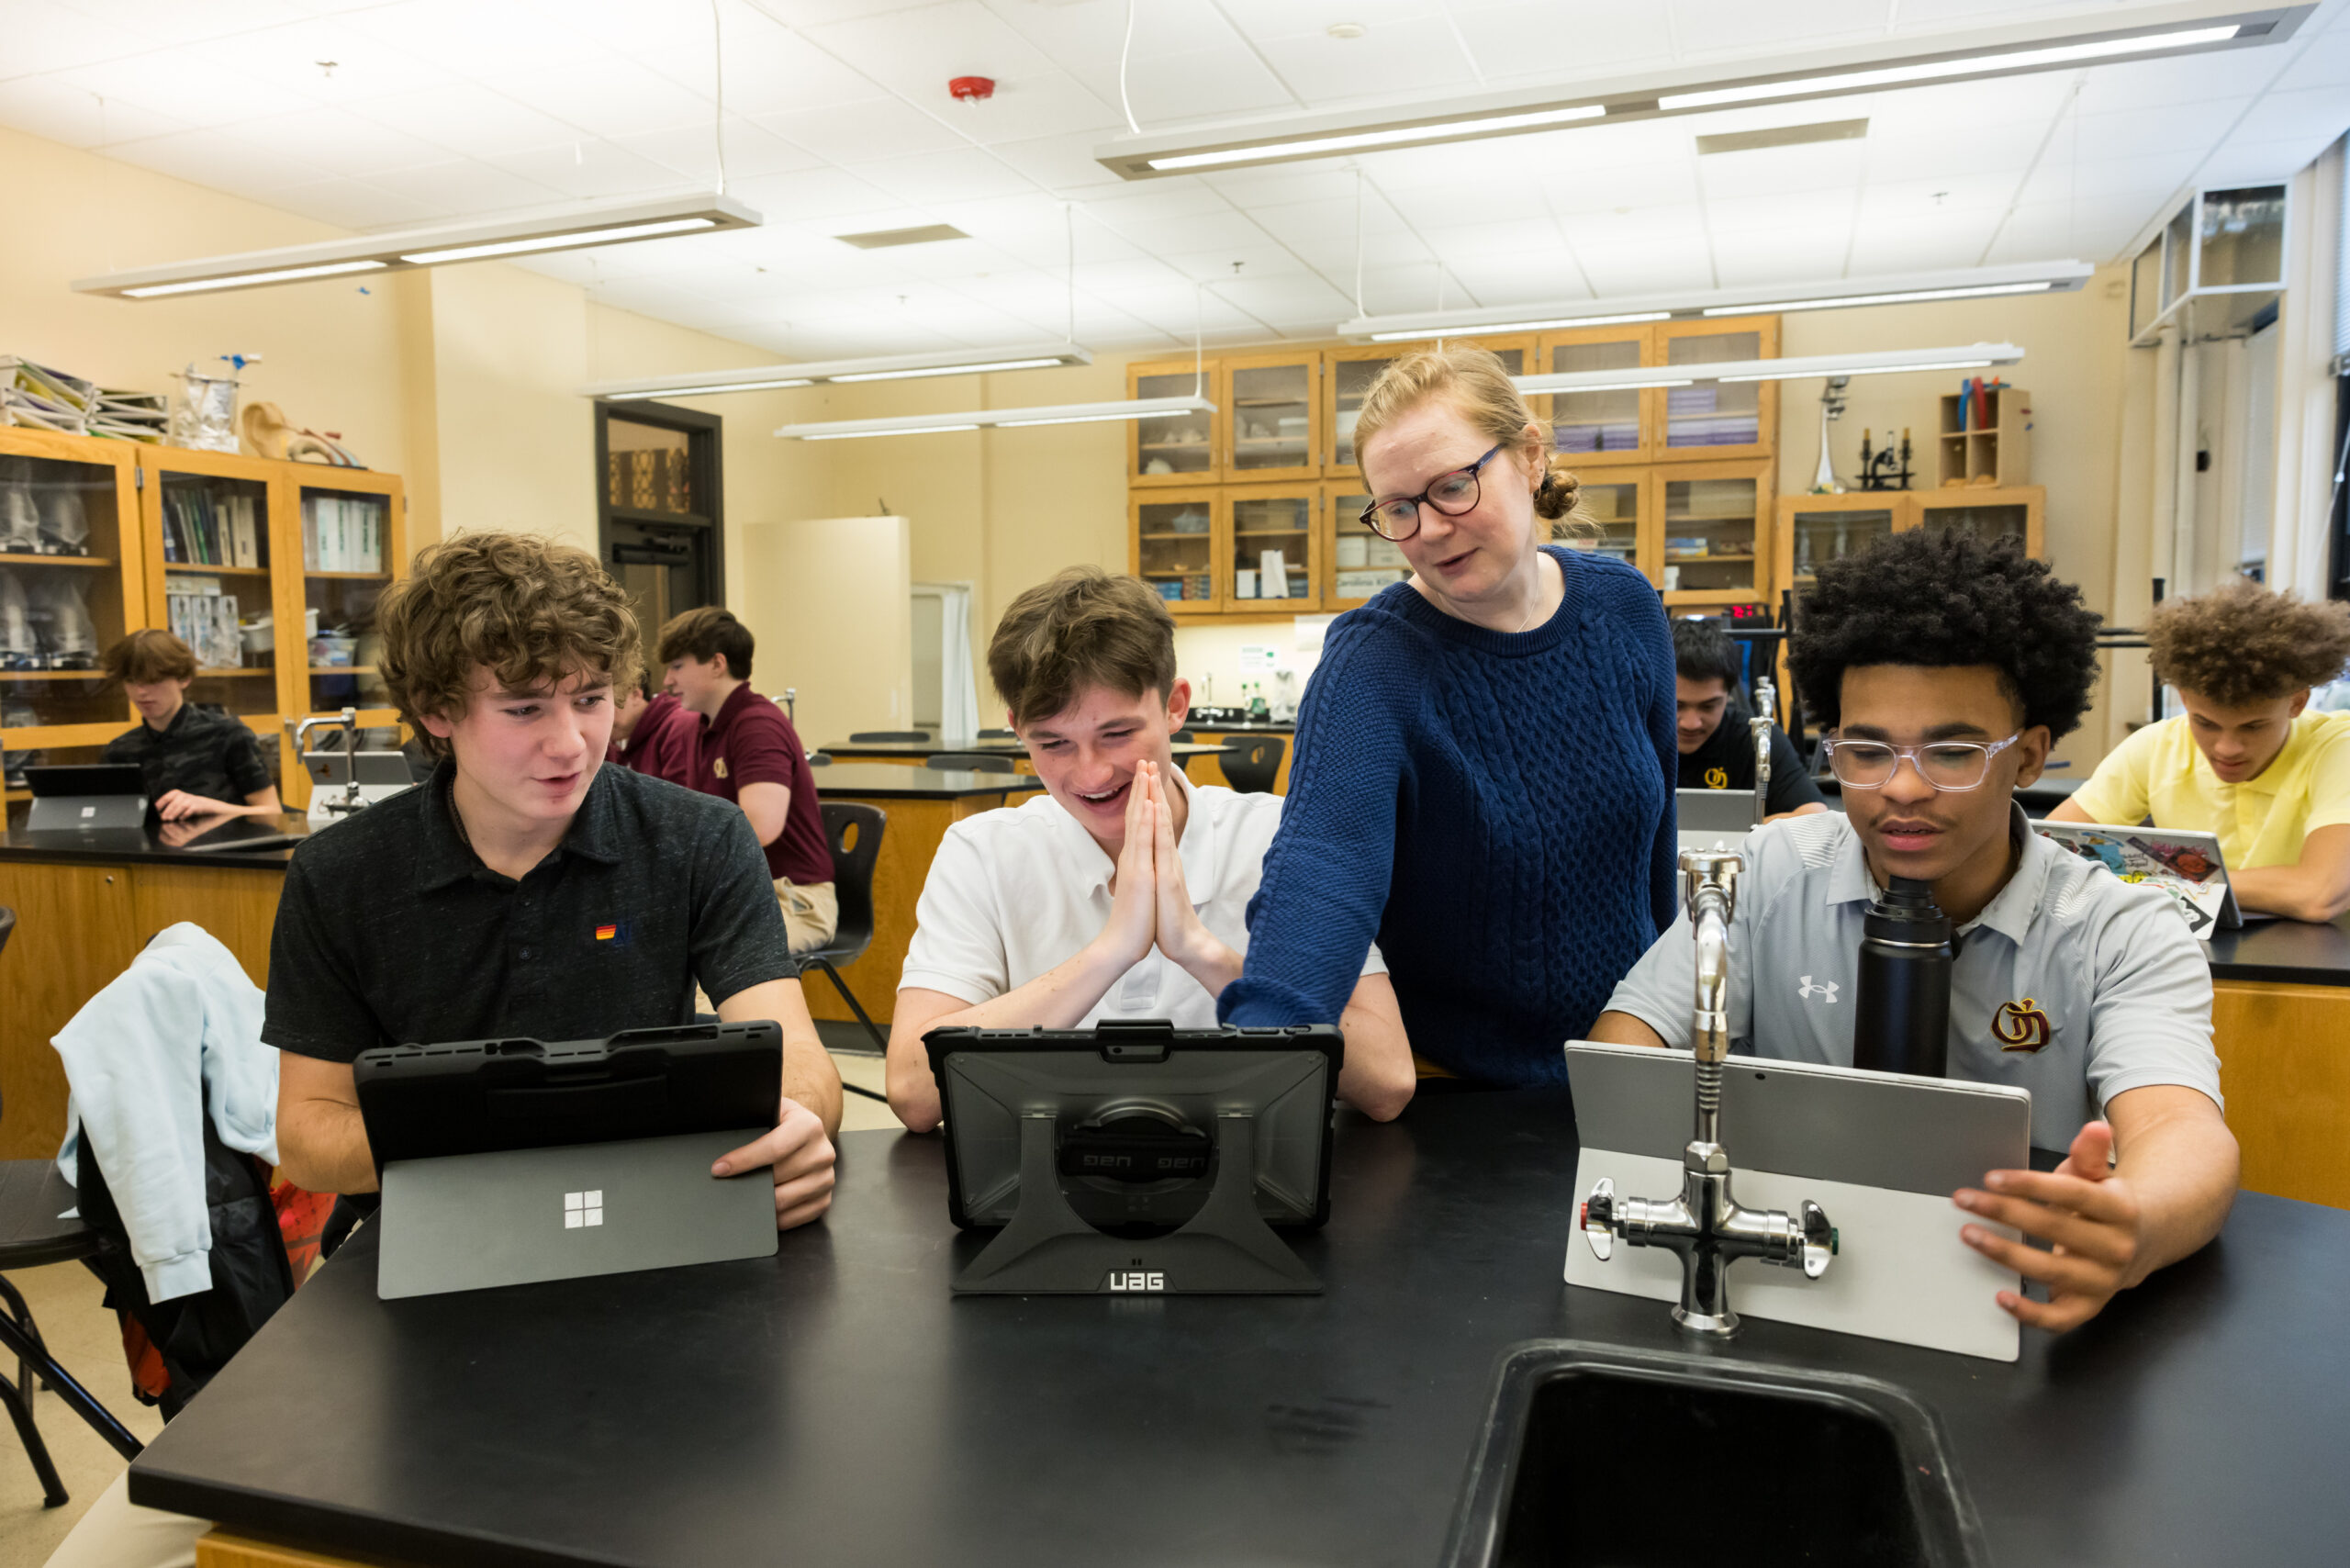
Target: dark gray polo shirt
point(201, 751)
point(392, 931)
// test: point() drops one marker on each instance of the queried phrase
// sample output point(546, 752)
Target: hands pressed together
point(1150, 906)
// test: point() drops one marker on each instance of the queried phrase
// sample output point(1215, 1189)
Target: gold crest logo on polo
point(718, 766)
point(1717, 778)
point(2021, 1027)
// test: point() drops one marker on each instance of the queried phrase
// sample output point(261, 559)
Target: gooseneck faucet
point(1766, 714)
point(1705, 1225)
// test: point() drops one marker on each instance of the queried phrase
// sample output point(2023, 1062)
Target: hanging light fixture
point(576, 227)
point(998, 419)
point(895, 367)
point(1963, 356)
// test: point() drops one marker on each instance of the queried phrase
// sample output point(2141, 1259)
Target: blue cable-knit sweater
point(1495, 808)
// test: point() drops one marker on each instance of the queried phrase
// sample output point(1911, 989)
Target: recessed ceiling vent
point(1784, 136)
point(882, 239)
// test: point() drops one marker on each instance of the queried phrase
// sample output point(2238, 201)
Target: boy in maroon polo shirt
point(651, 734)
point(749, 754)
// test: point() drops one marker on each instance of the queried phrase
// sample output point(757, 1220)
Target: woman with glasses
point(1944, 668)
point(1483, 754)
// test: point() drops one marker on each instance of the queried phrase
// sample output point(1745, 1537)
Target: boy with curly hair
point(1943, 669)
point(526, 889)
point(2246, 761)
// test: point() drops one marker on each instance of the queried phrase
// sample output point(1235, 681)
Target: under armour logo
point(583, 1208)
point(1827, 989)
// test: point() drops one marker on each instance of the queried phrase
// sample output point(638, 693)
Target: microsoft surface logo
point(583, 1208)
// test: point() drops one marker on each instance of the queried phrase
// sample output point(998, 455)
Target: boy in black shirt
point(196, 762)
point(1717, 748)
point(527, 889)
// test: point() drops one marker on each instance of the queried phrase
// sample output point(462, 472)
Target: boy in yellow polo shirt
point(2244, 761)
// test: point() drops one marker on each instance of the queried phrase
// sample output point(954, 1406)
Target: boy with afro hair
point(1942, 670)
point(2246, 761)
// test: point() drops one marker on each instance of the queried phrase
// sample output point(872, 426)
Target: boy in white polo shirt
point(1123, 892)
point(1945, 670)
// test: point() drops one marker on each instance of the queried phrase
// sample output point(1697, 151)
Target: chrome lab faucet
point(1766, 712)
point(1705, 1225)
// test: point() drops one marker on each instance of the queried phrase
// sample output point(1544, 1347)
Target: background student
point(2246, 761)
point(1484, 754)
point(747, 751)
point(1945, 669)
point(1711, 715)
point(651, 734)
point(196, 761)
point(1123, 890)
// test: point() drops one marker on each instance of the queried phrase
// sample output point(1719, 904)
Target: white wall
point(830, 601)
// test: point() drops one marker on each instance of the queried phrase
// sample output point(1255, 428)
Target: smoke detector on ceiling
point(972, 89)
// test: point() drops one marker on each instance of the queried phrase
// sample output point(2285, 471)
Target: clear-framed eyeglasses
point(1943, 765)
point(1454, 494)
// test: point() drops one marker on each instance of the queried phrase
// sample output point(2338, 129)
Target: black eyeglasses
point(1454, 495)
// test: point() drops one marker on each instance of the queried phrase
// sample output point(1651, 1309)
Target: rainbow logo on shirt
point(606, 933)
point(2021, 1027)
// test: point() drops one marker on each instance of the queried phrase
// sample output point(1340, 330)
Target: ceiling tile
point(165, 83)
point(488, 40)
point(1644, 267)
point(1774, 169)
point(1712, 30)
point(295, 57)
point(751, 151)
point(1058, 163)
point(465, 186)
point(1677, 223)
point(1410, 58)
point(1052, 102)
point(2324, 62)
point(354, 204)
point(2179, 79)
point(469, 119)
point(1257, 257)
point(2167, 128)
point(957, 174)
point(2316, 115)
point(1564, 41)
point(1601, 187)
point(813, 194)
point(155, 25)
point(46, 36)
point(854, 133)
point(768, 71)
point(220, 160)
point(916, 50)
point(1829, 212)
point(341, 142)
point(590, 169)
point(48, 107)
point(608, 98)
point(1201, 232)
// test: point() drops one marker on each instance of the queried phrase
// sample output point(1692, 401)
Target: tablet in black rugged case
point(483, 1096)
point(1137, 1106)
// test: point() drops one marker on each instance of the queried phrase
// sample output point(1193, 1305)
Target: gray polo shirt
point(2073, 983)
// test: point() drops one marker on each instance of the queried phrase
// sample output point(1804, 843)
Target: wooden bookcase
point(128, 493)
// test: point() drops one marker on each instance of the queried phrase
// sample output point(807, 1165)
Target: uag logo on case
point(1136, 1281)
point(583, 1208)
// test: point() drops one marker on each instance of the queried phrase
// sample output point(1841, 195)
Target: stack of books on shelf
point(130, 415)
point(1695, 417)
point(343, 534)
point(202, 528)
point(206, 620)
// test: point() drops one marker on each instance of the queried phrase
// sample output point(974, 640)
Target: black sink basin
point(1626, 1459)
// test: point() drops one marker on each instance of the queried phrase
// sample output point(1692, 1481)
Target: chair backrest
point(890, 735)
point(1184, 737)
point(969, 762)
point(8, 924)
point(1251, 765)
point(999, 735)
point(820, 759)
point(853, 833)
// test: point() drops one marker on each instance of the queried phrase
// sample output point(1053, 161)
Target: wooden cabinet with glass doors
point(1275, 549)
point(1271, 415)
point(223, 550)
point(2016, 511)
point(1179, 545)
point(1169, 450)
point(1706, 420)
point(71, 582)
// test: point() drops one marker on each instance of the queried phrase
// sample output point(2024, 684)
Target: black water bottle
point(1901, 1007)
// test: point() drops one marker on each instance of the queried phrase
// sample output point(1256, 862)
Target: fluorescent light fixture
point(573, 226)
point(1964, 356)
point(811, 434)
point(1007, 419)
point(978, 369)
point(892, 367)
point(1961, 283)
point(2001, 50)
point(2001, 63)
point(559, 242)
point(251, 280)
point(1543, 324)
point(1366, 141)
point(1909, 296)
